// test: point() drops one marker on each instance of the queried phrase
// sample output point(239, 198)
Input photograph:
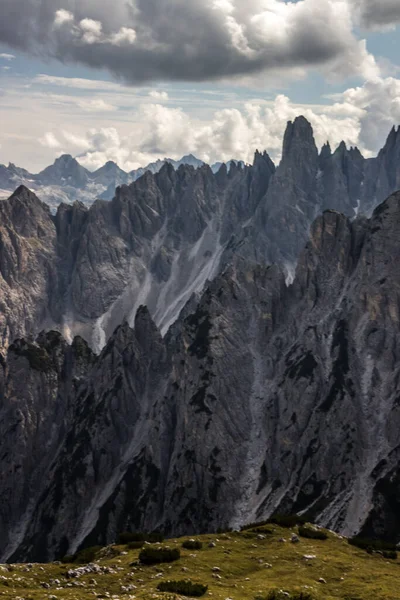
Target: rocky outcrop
point(262, 398)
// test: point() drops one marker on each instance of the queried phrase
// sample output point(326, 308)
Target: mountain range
point(202, 351)
point(67, 180)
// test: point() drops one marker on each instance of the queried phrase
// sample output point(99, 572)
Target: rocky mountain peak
point(146, 331)
point(65, 159)
point(24, 195)
point(356, 153)
point(393, 137)
point(299, 141)
point(65, 169)
point(190, 159)
point(387, 215)
point(263, 159)
point(110, 169)
point(341, 149)
point(391, 150)
point(28, 215)
point(264, 394)
point(326, 151)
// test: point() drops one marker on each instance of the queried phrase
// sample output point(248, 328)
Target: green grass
point(247, 567)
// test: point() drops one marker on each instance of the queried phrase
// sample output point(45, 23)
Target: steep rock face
point(40, 381)
point(156, 243)
point(263, 398)
point(280, 225)
point(340, 179)
point(382, 174)
point(28, 277)
point(164, 236)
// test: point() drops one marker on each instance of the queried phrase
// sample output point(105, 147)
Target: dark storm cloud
point(380, 13)
point(144, 40)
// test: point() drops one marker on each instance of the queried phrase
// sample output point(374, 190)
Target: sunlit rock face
point(215, 347)
point(164, 236)
point(262, 397)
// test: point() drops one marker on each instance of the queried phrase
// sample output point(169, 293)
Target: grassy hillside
point(239, 566)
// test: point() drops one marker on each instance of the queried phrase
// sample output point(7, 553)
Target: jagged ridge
point(161, 238)
point(262, 398)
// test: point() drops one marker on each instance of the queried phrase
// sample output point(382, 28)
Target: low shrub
point(263, 529)
point(152, 555)
point(222, 530)
point(301, 596)
point(154, 538)
point(192, 545)
point(283, 595)
point(390, 554)
point(312, 534)
point(280, 520)
point(87, 555)
point(371, 546)
point(288, 520)
point(135, 545)
point(254, 525)
point(184, 588)
point(127, 537)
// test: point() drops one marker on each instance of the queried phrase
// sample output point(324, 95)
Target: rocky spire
point(298, 143)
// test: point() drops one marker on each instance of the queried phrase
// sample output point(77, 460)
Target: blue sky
point(218, 79)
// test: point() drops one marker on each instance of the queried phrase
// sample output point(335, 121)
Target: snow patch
point(290, 272)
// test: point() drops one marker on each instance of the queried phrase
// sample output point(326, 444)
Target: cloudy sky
point(135, 80)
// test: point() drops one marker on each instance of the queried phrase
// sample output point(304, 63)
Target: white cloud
point(158, 95)
point(126, 35)
point(49, 140)
point(360, 116)
point(91, 31)
point(379, 104)
point(106, 121)
point(80, 84)
point(62, 17)
point(95, 105)
point(76, 143)
point(6, 56)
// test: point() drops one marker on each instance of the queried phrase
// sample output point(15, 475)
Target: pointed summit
point(392, 141)
point(325, 154)
point(341, 149)
point(24, 195)
point(110, 174)
point(146, 331)
point(28, 216)
point(299, 140)
point(65, 171)
point(263, 158)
